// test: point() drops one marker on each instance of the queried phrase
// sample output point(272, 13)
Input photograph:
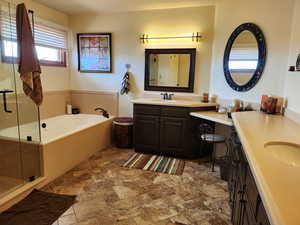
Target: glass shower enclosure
point(19, 116)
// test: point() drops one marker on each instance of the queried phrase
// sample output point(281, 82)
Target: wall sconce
point(195, 37)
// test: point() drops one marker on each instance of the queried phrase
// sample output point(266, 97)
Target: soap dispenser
point(69, 109)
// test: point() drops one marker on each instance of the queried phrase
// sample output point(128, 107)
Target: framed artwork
point(94, 52)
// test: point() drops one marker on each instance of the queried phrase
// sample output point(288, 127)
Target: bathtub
point(66, 141)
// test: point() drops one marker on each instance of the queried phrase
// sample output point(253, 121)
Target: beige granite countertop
point(213, 116)
point(175, 102)
point(277, 181)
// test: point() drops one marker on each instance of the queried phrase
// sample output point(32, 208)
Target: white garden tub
point(66, 141)
point(70, 139)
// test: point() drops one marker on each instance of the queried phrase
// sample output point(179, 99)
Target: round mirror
point(244, 57)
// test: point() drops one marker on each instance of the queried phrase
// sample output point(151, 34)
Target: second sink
point(286, 152)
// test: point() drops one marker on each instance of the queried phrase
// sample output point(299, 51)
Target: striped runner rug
point(155, 163)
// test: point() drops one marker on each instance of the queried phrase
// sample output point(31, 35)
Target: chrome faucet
point(167, 96)
point(104, 112)
point(170, 96)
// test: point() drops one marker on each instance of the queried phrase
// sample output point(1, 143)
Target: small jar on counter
point(213, 99)
point(205, 98)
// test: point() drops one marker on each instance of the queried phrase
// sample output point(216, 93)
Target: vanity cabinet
point(166, 130)
point(245, 201)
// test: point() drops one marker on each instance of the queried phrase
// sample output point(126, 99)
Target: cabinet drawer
point(147, 109)
point(174, 112)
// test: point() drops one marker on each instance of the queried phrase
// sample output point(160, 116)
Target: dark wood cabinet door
point(262, 217)
point(146, 133)
point(232, 184)
point(173, 135)
point(245, 219)
point(237, 211)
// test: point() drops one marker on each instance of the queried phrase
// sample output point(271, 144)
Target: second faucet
point(167, 96)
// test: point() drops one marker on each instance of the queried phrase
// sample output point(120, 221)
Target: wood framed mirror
point(170, 69)
point(245, 57)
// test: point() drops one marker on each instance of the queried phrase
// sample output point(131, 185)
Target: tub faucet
point(104, 112)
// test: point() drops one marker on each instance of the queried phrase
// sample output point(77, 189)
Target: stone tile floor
point(108, 194)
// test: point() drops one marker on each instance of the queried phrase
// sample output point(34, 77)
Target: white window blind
point(50, 37)
point(244, 54)
point(8, 26)
point(44, 34)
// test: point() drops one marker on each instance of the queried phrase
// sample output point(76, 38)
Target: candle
point(213, 99)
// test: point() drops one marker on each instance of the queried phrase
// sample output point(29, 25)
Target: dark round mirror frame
point(262, 53)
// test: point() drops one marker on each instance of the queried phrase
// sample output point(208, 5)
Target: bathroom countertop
point(213, 116)
point(175, 102)
point(278, 181)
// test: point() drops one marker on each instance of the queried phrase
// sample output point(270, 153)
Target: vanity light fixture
point(195, 37)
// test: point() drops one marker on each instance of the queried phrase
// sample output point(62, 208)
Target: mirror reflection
point(169, 70)
point(243, 59)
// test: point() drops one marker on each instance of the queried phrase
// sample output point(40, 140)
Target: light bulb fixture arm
point(195, 37)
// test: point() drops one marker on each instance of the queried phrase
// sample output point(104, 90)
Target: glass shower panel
point(11, 175)
point(29, 126)
point(19, 116)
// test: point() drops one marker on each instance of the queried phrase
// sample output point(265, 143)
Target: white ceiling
point(85, 6)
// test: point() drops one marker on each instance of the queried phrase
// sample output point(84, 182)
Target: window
point(243, 60)
point(48, 56)
point(51, 43)
point(242, 65)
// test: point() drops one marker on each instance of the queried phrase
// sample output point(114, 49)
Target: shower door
point(19, 116)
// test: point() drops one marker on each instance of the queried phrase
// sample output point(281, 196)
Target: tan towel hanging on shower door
point(29, 66)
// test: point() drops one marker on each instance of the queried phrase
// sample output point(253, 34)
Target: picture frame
point(94, 52)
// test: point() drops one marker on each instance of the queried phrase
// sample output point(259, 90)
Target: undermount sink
point(286, 152)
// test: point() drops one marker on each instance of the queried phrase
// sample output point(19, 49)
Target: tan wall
point(6, 76)
point(23, 112)
point(87, 101)
point(277, 30)
point(126, 28)
point(293, 78)
point(241, 78)
point(246, 38)
point(55, 103)
point(45, 12)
